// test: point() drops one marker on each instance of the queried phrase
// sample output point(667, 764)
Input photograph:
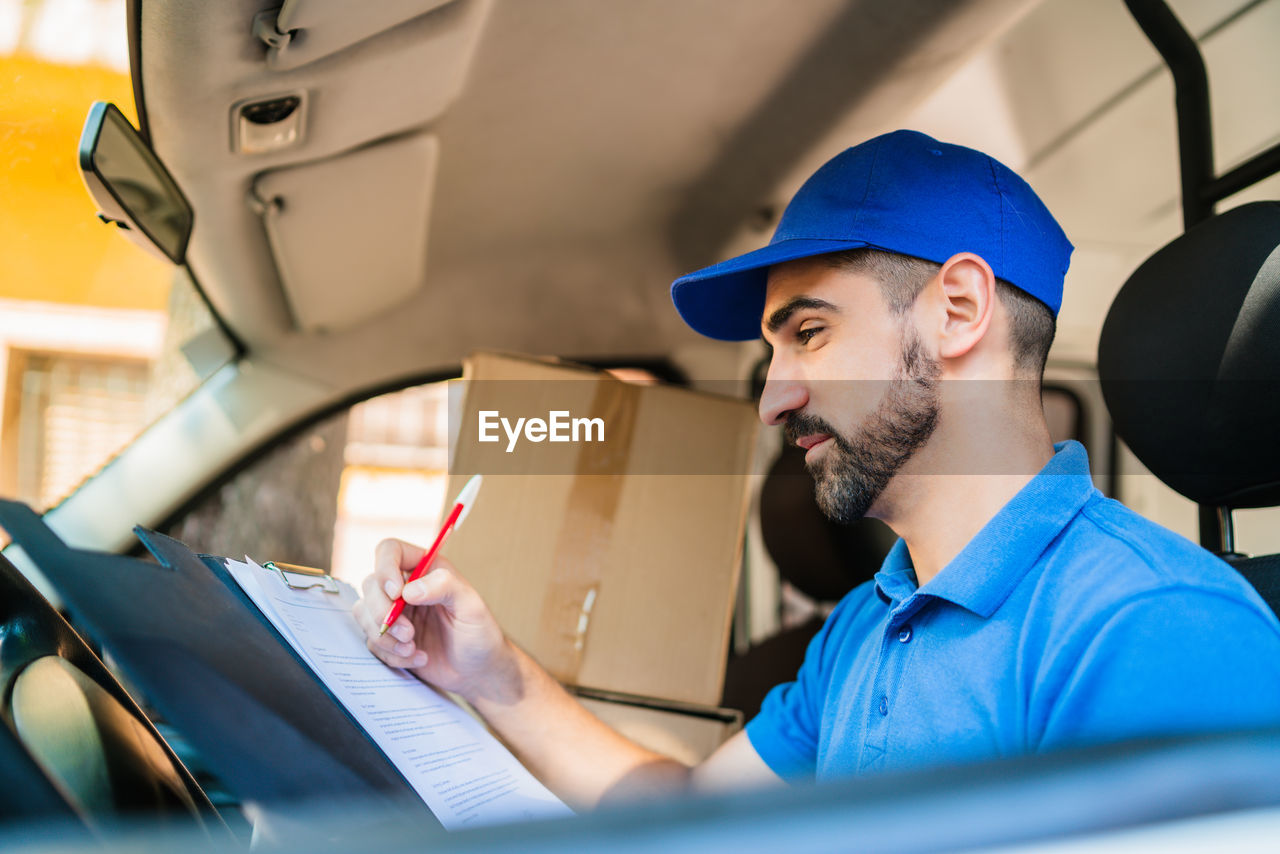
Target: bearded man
point(909, 298)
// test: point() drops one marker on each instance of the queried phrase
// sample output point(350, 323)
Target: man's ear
point(965, 294)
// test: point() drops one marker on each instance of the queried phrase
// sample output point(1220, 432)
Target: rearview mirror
point(131, 186)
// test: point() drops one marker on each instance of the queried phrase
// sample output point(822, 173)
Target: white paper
point(464, 774)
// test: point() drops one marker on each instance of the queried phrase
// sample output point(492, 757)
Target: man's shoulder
point(1110, 556)
point(1109, 538)
point(1119, 594)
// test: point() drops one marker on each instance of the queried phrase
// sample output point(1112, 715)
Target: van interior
point(374, 192)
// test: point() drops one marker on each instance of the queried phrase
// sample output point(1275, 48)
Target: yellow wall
point(52, 246)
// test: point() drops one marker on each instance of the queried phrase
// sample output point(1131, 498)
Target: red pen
point(461, 507)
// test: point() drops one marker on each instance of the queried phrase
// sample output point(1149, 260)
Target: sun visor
point(306, 30)
point(349, 234)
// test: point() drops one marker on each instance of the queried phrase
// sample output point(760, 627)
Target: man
point(909, 296)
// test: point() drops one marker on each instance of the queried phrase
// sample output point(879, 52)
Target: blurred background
point(92, 328)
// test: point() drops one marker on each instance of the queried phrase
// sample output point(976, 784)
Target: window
point(64, 414)
point(395, 467)
point(326, 496)
point(93, 331)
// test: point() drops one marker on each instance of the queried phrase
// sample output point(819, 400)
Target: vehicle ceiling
point(573, 157)
point(531, 174)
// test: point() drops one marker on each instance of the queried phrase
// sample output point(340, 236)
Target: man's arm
point(448, 637)
point(734, 765)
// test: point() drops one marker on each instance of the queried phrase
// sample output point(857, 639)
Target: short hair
point(902, 278)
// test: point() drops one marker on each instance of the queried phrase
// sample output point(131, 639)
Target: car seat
point(1189, 362)
point(820, 558)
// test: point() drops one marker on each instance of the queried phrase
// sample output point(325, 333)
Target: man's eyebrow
point(783, 312)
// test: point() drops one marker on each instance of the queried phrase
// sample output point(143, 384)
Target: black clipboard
point(213, 667)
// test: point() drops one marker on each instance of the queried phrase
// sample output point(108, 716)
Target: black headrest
point(823, 559)
point(1189, 360)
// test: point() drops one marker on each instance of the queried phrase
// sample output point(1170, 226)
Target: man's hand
point(446, 634)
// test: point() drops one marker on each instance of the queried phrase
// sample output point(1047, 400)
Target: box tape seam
point(582, 542)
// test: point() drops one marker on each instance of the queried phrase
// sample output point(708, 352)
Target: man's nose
point(781, 396)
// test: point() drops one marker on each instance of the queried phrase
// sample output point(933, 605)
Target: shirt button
point(884, 705)
point(905, 634)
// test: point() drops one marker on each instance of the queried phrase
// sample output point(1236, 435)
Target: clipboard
point(302, 577)
point(204, 657)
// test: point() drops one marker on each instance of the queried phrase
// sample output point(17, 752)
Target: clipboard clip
point(302, 577)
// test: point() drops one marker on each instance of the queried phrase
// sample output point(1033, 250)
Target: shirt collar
point(987, 569)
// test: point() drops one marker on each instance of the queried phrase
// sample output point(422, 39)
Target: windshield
point(93, 330)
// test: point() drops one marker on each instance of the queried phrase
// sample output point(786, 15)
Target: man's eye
point(804, 336)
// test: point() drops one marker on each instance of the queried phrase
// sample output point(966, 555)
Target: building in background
point(83, 314)
point(92, 330)
point(91, 327)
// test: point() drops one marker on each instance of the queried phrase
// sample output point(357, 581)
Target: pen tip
point(382, 631)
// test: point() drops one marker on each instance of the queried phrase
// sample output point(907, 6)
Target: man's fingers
point(372, 609)
point(375, 593)
point(393, 558)
point(445, 588)
point(396, 647)
point(399, 631)
point(369, 617)
point(400, 655)
point(440, 586)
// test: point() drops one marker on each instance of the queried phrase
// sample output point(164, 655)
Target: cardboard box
point(689, 735)
point(612, 559)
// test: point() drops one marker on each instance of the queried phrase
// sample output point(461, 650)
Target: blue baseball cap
point(902, 192)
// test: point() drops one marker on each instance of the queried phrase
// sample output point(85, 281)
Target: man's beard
point(853, 472)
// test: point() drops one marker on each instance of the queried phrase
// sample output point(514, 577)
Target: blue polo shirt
point(1068, 619)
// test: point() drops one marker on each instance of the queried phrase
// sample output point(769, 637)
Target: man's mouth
point(812, 440)
point(808, 432)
